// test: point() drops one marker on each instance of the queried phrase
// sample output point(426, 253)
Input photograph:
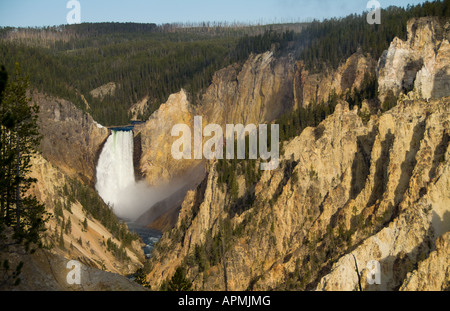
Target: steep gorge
point(351, 189)
point(372, 190)
point(80, 226)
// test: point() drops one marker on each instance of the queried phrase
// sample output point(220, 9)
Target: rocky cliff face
point(259, 92)
point(46, 271)
point(65, 229)
point(157, 164)
point(346, 193)
point(432, 273)
point(71, 139)
point(315, 88)
point(420, 64)
point(378, 192)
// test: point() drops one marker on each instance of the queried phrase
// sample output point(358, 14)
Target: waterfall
point(116, 183)
point(115, 171)
point(117, 186)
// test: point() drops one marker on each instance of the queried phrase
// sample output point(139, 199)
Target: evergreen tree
point(61, 240)
point(179, 282)
point(85, 224)
point(3, 161)
point(141, 278)
point(19, 139)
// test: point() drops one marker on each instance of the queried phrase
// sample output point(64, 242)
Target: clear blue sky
point(25, 13)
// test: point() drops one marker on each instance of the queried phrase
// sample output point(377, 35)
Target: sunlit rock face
point(420, 65)
point(71, 139)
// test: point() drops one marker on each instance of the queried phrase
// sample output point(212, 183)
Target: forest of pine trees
point(156, 61)
point(141, 59)
point(331, 42)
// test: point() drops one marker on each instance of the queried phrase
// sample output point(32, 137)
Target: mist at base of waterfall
point(116, 183)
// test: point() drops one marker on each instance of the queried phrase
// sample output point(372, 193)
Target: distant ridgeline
point(331, 42)
point(142, 60)
point(153, 61)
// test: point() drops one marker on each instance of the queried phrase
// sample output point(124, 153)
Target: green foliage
point(3, 81)
point(229, 170)
point(95, 207)
point(331, 42)
point(118, 252)
point(200, 258)
point(368, 90)
point(261, 43)
point(212, 252)
point(58, 210)
point(61, 240)
point(390, 101)
point(293, 123)
point(19, 139)
point(19, 211)
point(9, 276)
point(85, 225)
point(141, 278)
point(313, 175)
point(179, 282)
point(68, 227)
point(143, 60)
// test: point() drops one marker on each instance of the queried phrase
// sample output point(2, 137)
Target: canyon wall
point(257, 93)
point(71, 139)
point(65, 173)
point(421, 64)
point(346, 192)
point(378, 192)
point(316, 88)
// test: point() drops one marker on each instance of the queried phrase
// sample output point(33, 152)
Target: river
point(149, 236)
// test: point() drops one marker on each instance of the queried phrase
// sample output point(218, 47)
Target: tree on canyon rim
point(19, 140)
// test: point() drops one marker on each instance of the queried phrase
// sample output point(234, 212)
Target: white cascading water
point(115, 171)
point(116, 183)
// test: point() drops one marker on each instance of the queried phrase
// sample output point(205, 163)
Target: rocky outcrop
point(138, 108)
point(433, 273)
point(74, 241)
point(420, 64)
point(257, 93)
point(46, 271)
point(207, 203)
point(71, 139)
point(101, 92)
point(315, 88)
point(345, 190)
point(157, 164)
